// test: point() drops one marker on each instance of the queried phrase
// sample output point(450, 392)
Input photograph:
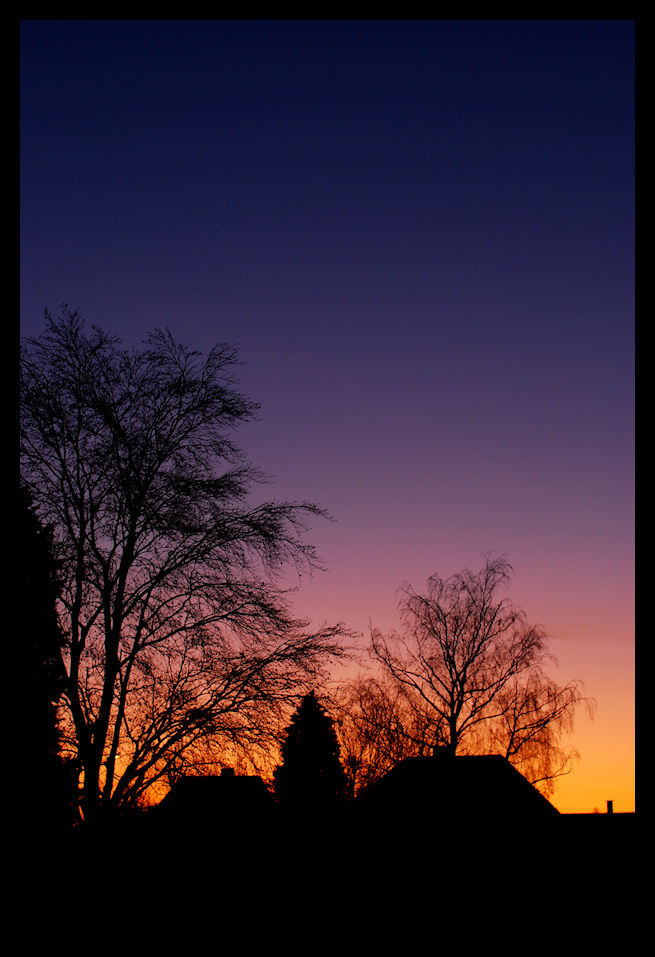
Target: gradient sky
point(420, 232)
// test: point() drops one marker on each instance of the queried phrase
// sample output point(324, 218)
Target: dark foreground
point(329, 878)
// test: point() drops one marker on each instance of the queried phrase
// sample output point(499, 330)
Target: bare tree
point(379, 724)
point(179, 635)
point(533, 712)
point(468, 657)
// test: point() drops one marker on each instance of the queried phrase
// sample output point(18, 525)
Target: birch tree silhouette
point(468, 661)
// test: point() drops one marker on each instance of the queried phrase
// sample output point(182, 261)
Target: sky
point(420, 233)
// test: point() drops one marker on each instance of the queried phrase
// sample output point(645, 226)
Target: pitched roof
point(217, 794)
point(461, 789)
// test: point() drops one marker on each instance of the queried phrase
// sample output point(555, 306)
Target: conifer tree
point(47, 786)
point(310, 777)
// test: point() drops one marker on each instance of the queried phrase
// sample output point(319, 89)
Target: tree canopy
point(179, 635)
point(47, 788)
point(468, 672)
point(310, 776)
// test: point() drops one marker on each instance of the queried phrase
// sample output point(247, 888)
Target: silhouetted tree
point(46, 784)
point(310, 776)
point(468, 659)
point(179, 637)
point(378, 726)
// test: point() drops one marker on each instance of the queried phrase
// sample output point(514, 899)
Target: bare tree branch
point(467, 657)
point(178, 633)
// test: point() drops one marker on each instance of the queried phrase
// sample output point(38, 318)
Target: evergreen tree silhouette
point(47, 782)
point(310, 778)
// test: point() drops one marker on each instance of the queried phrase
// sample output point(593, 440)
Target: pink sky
point(421, 234)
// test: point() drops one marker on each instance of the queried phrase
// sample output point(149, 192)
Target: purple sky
point(420, 232)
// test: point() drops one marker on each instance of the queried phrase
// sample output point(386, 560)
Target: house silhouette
point(438, 823)
point(477, 791)
point(464, 813)
point(213, 797)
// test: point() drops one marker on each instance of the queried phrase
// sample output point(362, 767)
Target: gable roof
point(212, 795)
point(464, 789)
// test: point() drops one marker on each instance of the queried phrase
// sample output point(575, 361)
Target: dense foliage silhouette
point(47, 785)
point(310, 778)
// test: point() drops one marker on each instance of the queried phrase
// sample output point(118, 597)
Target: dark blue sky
point(421, 234)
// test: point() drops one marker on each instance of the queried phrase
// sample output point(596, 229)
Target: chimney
point(610, 807)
